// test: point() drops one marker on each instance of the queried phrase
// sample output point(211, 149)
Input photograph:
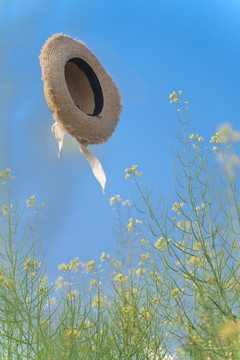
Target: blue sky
point(150, 48)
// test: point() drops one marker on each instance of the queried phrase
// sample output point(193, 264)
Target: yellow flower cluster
point(139, 222)
point(5, 209)
point(130, 225)
point(94, 283)
point(7, 172)
point(120, 278)
point(103, 256)
point(98, 301)
point(43, 280)
point(2, 174)
point(155, 300)
point(175, 293)
point(216, 138)
point(2, 278)
point(126, 203)
point(197, 246)
point(194, 259)
point(114, 199)
point(155, 275)
point(177, 206)
point(72, 294)
point(31, 202)
point(73, 333)
point(174, 97)
point(127, 309)
point(30, 264)
point(196, 137)
point(90, 266)
point(160, 244)
point(52, 301)
point(145, 256)
point(59, 282)
point(132, 170)
point(42, 289)
point(145, 313)
point(140, 271)
point(74, 265)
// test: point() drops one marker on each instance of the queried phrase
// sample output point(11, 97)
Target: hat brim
point(80, 93)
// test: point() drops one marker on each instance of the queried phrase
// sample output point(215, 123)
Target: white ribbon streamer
point(97, 169)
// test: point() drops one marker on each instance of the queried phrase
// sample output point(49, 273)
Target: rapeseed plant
point(170, 288)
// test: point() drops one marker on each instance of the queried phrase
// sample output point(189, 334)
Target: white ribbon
point(97, 169)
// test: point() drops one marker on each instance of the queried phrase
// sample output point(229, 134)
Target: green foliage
point(171, 285)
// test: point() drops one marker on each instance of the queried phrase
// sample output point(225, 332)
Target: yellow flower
point(139, 271)
point(180, 92)
point(53, 300)
point(90, 265)
point(5, 209)
point(112, 200)
point(139, 222)
point(126, 203)
point(215, 149)
point(103, 257)
point(98, 301)
point(192, 137)
point(177, 206)
point(8, 171)
point(194, 259)
point(200, 139)
point(197, 208)
point(174, 293)
point(131, 169)
point(145, 256)
point(59, 282)
point(130, 225)
point(62, 266)
point(43, 204)
point(72, 294)
point(160, 243)
point(179, 224)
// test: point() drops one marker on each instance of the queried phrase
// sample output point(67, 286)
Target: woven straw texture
point(80, 93)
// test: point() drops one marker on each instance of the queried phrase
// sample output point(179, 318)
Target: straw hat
point(80, 93)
